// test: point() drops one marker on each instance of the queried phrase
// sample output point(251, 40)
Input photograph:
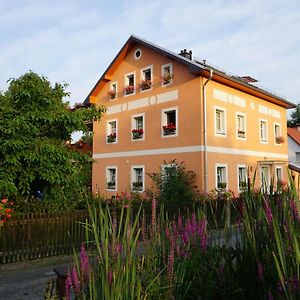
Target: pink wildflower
point(84, 262)
point(68, 286)
point(75, 280)
point(110, 277)
point(268, 212)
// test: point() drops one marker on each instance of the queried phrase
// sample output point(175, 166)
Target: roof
point(294, 133)
point(196, 67)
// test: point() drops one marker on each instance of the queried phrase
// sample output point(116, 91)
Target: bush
point(174, 184)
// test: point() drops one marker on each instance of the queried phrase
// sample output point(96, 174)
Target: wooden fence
point(31, 236)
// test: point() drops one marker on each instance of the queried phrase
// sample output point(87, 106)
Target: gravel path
point(28, 280)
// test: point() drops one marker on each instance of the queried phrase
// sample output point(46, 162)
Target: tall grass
point(132, 256)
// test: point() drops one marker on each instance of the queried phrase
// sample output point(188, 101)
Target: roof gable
point(195, 67)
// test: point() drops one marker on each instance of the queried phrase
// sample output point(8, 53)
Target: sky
point(74, 41)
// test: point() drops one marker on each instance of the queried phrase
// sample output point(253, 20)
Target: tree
point(35, 125)
point(295, 117)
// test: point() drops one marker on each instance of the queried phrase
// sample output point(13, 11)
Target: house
point(294, 154)
point(164, 106)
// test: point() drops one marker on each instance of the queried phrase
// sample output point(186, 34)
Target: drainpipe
point(205, 131)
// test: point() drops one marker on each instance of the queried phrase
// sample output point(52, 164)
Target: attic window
point(137, 54)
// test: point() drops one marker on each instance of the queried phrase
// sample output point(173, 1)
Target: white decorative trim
point(229, 98)
point(190, 149)
point(143, 102)
point(168, 96)
point(269, 111)
point(140, 103)
point(114, 109)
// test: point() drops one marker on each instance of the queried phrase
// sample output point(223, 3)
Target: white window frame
point(142, 76)
point(223, 131)
point(163, 67)
point(221, 165)
point(164, 120)
point(263, 141)
point(133, 177)
point(109, 131)
point(135, 52)
point(237, 115)
point(108, 177)
point(265, 186)
point(133, 126)
point(280, 133)
point(297, 160)
point(239, 166)
point(111, 88)
point(126, 83)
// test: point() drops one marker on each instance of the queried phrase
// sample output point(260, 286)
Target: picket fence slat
point(31, 236)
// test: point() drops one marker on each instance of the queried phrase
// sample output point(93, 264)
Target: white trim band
point(190, 149)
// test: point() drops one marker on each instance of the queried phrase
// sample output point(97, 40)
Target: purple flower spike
point(68, 285)
point(76, 282)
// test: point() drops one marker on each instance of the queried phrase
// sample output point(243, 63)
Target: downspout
point(205, 131)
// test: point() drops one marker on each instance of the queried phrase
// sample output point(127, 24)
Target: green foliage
point(35, 125)
point(174, 184)
point(295, 117)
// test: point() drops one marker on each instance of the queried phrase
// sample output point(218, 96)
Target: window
point(242, 178)
point(297, 156)
point(112, 93)
point(137, 54)
point(241, 126)
point(146, 78)
point(277, 134)
point(129, 84)
point(263, 131)
point(137, 127)
point(111, 131)
point(278, 173)
point(220, 121)
point(111, 178)
point(137, 178)
point(169, 122)
point(166, 74)
point(265, 178)
point(221, 176)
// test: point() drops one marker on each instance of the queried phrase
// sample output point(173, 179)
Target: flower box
point(145, 84)
point(169, 129)
point(112, 94)
point(241, 133)
point(111, 185)
point(111, 138)
point(137, 186)
point(166, 79)
point(222, 185)
point(128, 89)
point(280, 140)
point(137, 134)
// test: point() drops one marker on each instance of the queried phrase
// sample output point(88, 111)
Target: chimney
point(186, 54)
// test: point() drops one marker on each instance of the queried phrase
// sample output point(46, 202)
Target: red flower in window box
point(112, 94)
point(137, 133)
point(166, 78)
point(280, 140)
point(111, 138)
point(128, 89)
point(145, 84)
point(169, 129)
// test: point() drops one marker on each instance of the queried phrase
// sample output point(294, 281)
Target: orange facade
point(162, 106)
